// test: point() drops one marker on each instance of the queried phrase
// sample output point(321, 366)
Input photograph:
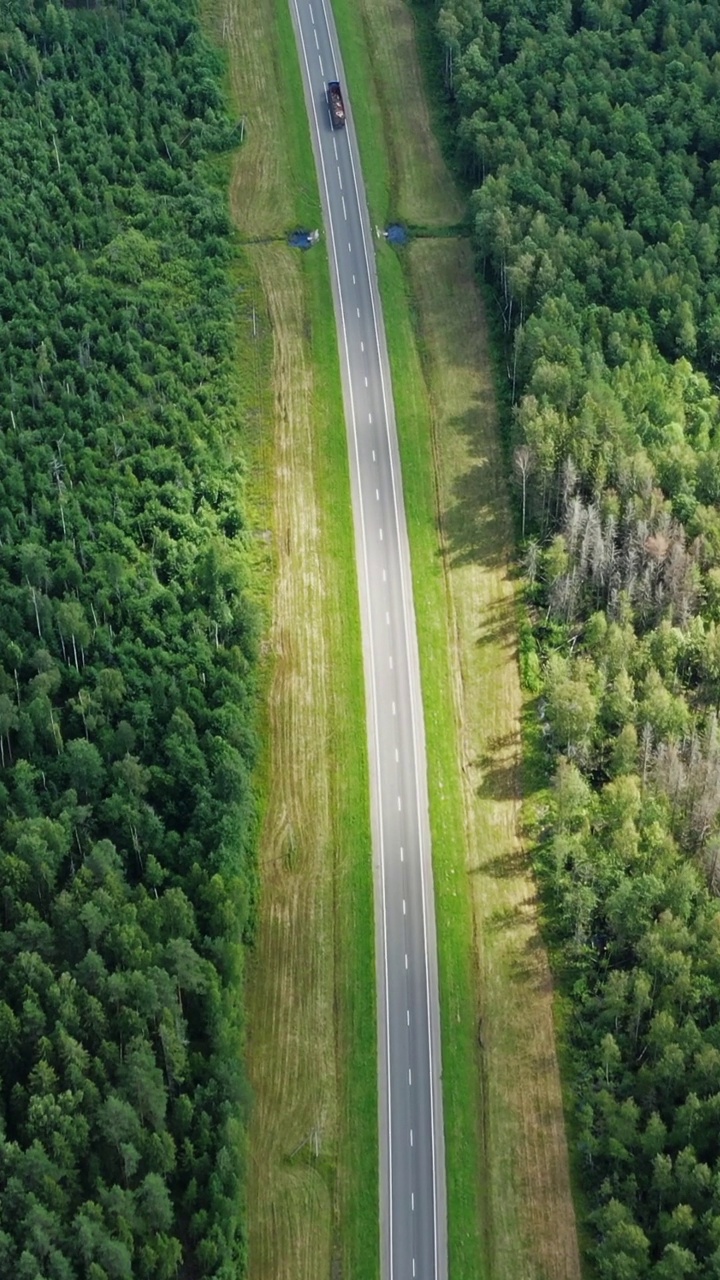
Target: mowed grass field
point(511, 1212)
point(312, 1160)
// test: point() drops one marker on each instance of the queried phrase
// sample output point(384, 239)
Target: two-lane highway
point(412, 1153)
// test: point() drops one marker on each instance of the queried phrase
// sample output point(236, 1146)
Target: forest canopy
point(127, 653)
point(591, 132)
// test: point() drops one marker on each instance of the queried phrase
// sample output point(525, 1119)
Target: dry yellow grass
point(290, 1009)
point(529, 1217)
point(310, 991)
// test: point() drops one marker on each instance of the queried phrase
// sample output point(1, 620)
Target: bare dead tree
point(532, 560)
point(609, 550)
point(679, 578)
point(646, 749)
point(689, 775)
point(569, 480)
point(524, 462)
point(33, 593)
point(574, 523)
point(710, 861)
point(591, 536)
point(564, 595)
point(669, 775)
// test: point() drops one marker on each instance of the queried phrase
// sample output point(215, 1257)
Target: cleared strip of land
point(290, 1009)
point(511, 1212)
point(312, 1165)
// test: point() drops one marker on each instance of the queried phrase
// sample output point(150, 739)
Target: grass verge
point(312, 1173)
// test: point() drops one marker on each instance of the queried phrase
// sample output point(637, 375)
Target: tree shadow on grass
point(506, 866)
point(517, 921)
point(499, 768)
point(500, 781)
point(497, 624)
point(476, 522)
point(529, 965)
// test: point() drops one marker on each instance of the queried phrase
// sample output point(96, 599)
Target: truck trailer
point(336, 104)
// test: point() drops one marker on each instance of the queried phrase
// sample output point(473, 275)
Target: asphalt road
point(412, 1153)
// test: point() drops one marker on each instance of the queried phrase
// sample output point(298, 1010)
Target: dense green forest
point(127, 653)
point(590, 130)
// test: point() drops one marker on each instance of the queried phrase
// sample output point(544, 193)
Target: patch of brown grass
point(290, 995)
point(529, 1219)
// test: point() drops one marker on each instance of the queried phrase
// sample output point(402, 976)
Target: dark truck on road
point(336, 104)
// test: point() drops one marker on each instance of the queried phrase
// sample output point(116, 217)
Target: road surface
point(413, 1235)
